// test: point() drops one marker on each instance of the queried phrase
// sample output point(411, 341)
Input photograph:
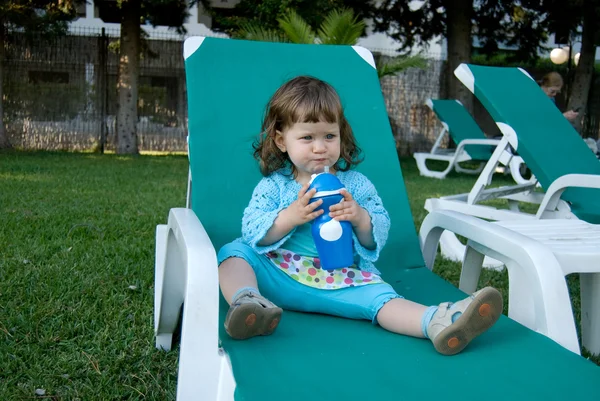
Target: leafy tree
point(266, 13)
point(397, 64)
point(340, 27)
point(493, 22)
point(47, 16)
point(171, 13)
point(589, 13)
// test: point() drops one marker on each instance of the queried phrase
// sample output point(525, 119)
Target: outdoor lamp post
point(559, 55)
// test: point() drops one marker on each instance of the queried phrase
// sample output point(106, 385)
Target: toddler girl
point(304, 130)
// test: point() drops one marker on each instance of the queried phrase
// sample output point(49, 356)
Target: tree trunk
point(4, 142)
point(458, 35)
point(584, 71)
point(129, 71)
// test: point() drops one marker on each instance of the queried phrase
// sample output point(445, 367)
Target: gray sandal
point(250, 315)
point(479, 312)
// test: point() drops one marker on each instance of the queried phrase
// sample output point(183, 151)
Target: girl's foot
point(454, 325)
point(250, 314)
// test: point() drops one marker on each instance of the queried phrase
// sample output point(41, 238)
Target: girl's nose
point(318, 146)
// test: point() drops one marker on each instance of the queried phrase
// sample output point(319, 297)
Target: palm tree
point(340, 27)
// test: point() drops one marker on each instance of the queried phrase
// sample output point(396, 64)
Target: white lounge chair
point(567, 219)
point(471, 144)
point(317, 357)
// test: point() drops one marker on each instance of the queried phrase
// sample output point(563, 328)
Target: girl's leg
point(250, 314)
point(402, 316)
point(450, 326)
point(235, 274)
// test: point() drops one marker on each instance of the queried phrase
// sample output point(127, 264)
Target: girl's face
point(310, 146)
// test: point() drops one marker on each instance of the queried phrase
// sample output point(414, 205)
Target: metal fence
point(60, 94)
point(414, 125)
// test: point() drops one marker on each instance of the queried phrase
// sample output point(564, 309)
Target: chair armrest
point(490, 235)
point(556, 189)
point(504, 158)
point(527, 260)
point(488, 142)
point(470, 142)
point(191, 275)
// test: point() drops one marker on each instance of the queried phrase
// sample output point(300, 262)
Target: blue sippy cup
point(333, 238)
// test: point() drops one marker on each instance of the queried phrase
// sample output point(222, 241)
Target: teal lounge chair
point(312, 356)
point(533, 126)
point(568, 217)
point(471, 144)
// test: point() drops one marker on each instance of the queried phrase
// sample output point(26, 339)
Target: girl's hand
point(349, 210)
point(300, 211)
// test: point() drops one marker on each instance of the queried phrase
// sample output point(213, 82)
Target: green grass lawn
point(77, 271)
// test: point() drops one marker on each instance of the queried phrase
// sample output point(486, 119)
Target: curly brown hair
point(303, 99)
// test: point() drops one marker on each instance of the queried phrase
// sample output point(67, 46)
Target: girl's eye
point(330, 136)
point(307, 137)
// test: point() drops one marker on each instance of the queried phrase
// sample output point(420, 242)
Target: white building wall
point(196, 25)
point(382, 43)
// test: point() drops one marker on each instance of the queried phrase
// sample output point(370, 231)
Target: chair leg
point(590, 311)
point(168, 288)
point(421, 159)
point(521, 304)
point(550, 313)
point(471, 270)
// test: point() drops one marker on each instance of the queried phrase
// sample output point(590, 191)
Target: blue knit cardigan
point(277, 191)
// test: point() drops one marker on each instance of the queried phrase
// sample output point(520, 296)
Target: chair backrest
point(544, 138)
point(229, 83)
point(461, 126)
